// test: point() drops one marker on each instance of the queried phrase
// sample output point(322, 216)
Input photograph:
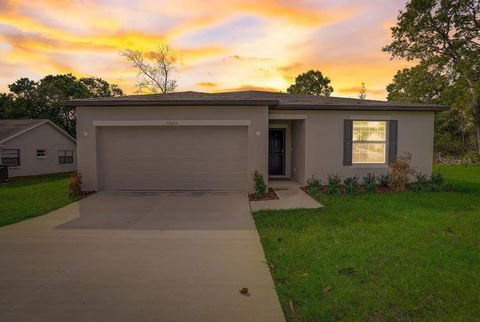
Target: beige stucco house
point(34, 147)
point(203, 141)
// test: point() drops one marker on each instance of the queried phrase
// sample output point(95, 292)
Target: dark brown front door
point(276, 152)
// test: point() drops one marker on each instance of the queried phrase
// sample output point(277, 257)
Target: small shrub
point(400, 171)
point(334, 182)
point(421, 183)
point(436, 183)
point(75, 185)
point(418, 187)
point(421, 178)
point(313, 185)
point(370, 183)
point(351, 185)
point(451, 188)
point(259, 185)
point(384, 180)
point(437, 178)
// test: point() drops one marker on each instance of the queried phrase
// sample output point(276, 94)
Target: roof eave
point(62, 131)
point(23, 131)
point(100, 103)
point(272, 104)
point(418, 108)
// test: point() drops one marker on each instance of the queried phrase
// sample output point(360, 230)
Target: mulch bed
point(271, 195)
point(84, 194)
point(380, 189)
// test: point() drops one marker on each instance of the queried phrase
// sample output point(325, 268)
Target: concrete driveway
point(138, 257)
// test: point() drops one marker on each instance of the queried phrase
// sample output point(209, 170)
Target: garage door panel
point(224, 167)
point(172, 158)
point(176, 152)
point(172, 182)
point(180, 164)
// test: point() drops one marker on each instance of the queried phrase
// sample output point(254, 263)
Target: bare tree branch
point(155, 69)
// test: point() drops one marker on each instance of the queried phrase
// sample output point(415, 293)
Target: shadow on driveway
point(163, 211)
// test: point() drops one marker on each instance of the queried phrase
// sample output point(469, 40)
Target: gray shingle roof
point(9, 128)
point(272, 99)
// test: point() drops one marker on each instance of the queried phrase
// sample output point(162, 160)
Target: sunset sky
point(221, 45)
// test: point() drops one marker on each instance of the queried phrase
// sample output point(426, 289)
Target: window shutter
point(347, 141)
point(392, 140)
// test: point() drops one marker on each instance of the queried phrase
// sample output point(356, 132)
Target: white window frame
point(19, 157)
point(65, 156)
point(44, 156)
point(385, 142)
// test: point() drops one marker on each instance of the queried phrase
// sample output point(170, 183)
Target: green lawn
point(27, 197)
point(406, 256)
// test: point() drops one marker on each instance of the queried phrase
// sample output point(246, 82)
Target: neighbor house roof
point(10, 129)
point(281, 101)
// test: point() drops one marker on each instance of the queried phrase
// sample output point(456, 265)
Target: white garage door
point(172, 158)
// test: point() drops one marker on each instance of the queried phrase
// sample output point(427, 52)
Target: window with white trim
point(11, 157)
point(65, 156)
point(369, 144)
point(41, 154)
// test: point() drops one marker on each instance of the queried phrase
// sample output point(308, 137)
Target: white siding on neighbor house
point(45, 137)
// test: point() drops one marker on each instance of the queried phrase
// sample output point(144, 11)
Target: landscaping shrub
point(421, 183)
point(400, 171)
point(436, 183)
point(384, 180)
point(437, 178)
point(259, 185)
point(334, 182)
point(351, 185)
point(370, 183)
point(313, 185)
point(421, 178)
point(75, 185)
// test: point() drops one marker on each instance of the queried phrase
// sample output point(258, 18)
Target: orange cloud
point(207, 84)
point(356, 90)
point(249, 88)
point(290, 72)
point(295, 13)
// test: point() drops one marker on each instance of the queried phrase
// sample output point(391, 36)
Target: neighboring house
point(202, 141)
point(33, 147)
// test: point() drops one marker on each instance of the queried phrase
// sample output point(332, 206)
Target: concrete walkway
point(138, 257)
point(290, 197)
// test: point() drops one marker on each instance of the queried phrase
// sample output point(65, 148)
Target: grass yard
point(381, 257)
point(28, 197)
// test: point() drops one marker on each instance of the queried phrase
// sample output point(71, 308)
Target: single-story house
point(215, 141)
point(33, 147)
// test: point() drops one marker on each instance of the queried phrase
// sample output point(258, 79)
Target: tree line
point(44, 99)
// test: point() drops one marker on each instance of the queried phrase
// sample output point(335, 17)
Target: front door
point(276, 152)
